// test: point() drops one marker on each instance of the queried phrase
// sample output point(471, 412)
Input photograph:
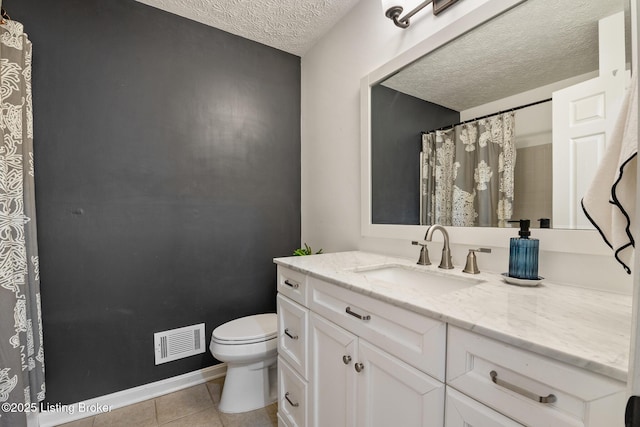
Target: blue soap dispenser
point(523, 254)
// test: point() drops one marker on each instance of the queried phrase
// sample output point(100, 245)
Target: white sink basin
point(435, 283)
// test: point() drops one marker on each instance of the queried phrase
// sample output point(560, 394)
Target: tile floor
point(191, 407)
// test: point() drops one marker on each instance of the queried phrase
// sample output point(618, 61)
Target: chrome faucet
point(445, 262)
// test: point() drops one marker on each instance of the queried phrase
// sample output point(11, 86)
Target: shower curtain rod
point(492, 114)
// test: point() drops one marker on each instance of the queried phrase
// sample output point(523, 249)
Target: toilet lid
point(250, 328)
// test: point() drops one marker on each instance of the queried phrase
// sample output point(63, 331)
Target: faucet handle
point(472, 266)
point(485, 250)
point(424, 253)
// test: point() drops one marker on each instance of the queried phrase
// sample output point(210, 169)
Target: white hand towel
point(610, 201)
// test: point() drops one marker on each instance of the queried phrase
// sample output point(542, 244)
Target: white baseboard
point(60, 414)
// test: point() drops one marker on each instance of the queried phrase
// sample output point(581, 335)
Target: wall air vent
point(178, 343)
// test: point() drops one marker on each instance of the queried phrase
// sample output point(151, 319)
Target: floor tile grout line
point(155, 411)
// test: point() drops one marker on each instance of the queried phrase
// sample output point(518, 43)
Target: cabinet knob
point(346, 359)
point(359, 367)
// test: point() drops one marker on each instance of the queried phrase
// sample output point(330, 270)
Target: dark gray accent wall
point(167, 158)
point(397, 121)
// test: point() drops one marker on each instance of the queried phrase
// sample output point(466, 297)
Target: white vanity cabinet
point(368, 363)
point(349, 359)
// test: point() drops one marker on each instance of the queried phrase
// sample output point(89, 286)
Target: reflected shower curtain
point(467, 173)
point(436, 169)
point(21, 352)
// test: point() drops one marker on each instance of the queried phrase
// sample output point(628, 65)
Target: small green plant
point(305, 251)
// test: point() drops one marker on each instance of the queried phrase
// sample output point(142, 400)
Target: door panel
point(392, 393)
point(333, 353)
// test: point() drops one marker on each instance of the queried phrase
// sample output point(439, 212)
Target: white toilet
point(249, 347)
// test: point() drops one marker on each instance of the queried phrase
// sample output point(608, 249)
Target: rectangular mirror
point(537, 61)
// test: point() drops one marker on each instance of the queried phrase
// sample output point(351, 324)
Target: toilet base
point(249, 386)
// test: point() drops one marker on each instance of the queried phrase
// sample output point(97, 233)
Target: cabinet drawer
point(292, 396)
point(413, 338)
point(293, 322)
point(517, 383)
point(462, 411)
point(293, 284)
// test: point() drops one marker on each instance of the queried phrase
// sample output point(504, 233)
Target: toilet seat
point(247, 330)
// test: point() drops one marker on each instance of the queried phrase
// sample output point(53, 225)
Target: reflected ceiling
point(515, 53)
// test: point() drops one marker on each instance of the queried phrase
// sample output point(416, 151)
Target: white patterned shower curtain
point(467, 173)
point(21, 352)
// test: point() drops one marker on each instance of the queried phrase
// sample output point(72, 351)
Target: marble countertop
point(586, 328)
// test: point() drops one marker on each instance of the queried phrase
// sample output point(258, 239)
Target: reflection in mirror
point(544, 63)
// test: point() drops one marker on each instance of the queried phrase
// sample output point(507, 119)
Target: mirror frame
point(555, 240)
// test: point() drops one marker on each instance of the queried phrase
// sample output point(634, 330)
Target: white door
point(333, 354)
point(583, 117)
point(392, 393)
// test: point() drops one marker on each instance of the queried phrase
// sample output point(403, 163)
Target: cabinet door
point(393, 393)
point(462, 411)
point(332, 374)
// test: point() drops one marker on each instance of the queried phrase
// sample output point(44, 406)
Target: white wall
point(331, 72)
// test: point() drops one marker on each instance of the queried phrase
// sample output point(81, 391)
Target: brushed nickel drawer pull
point(294, 285)
point(526, 393)
point(294, 404)
point(359, 367)
point(359, 316)
point(287, 333)
point(346, 359)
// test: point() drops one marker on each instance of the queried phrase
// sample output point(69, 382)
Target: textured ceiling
point(289, 25)
point(535, 44)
